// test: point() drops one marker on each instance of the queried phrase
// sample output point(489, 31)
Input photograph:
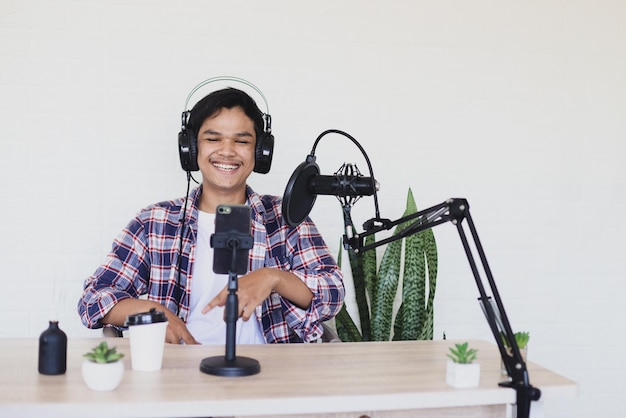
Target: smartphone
point(232, 230)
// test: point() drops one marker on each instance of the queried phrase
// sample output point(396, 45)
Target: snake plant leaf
point(346, 328)
point(370, 265)
point(389, 276)
point(364, 278)
point(361, 275)
point(430, 251)
point(410, 315)
point(418, 324)
point(414, 319)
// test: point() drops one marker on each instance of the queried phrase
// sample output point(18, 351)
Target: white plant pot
point(102, 376)
point(462, 375)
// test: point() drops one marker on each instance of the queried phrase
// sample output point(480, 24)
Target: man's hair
point(227, 98)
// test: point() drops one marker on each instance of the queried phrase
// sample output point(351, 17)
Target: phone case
point(232, 227)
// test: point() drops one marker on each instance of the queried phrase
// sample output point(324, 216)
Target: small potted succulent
point(462, 371)
point(521, 338)
point(102, 369)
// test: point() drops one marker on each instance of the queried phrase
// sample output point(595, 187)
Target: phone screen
point(232, 226)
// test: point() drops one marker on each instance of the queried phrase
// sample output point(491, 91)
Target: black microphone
point(343, 185)
point(306, 183)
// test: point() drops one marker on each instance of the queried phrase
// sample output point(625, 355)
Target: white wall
point(520, 107)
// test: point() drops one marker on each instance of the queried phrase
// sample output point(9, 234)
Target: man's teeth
point(229, 167)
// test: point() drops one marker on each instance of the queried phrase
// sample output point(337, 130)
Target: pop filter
point(298, 199)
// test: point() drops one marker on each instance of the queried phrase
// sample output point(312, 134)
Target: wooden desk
point(397, 379)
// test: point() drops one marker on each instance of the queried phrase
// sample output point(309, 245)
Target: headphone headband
point(227, 78)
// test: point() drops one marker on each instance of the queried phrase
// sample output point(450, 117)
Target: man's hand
point(252, 290)
point(256, 286)
point(177, 332)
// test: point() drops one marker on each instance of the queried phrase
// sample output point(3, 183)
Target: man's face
point(226, 151)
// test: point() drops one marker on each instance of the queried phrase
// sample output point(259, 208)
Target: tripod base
point(240, 366)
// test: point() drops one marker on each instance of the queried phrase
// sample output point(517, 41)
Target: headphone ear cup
point(263, 153)
point(188, 150)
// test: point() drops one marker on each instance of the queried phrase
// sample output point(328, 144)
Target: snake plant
point(413, 260)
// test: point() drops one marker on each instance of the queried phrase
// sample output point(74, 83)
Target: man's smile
point(226, 167)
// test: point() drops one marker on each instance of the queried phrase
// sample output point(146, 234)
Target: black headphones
point(188, 145)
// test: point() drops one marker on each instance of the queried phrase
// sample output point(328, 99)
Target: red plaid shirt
point(144, 260)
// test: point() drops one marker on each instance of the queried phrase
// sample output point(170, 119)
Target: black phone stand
point(230, 364)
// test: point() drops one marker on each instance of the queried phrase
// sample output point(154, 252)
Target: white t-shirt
point(210, 328)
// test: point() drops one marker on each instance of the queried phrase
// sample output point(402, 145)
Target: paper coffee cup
point(147, 339)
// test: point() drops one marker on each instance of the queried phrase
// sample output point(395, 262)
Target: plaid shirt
point(144, 260)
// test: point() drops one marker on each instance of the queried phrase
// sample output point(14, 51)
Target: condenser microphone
point(343, 185)
point(306, 183)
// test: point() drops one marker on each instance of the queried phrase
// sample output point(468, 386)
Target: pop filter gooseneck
point(299, 196)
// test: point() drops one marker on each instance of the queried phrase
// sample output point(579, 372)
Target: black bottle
point(53, 350)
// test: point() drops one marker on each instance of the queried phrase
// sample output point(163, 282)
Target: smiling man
point(163, 258)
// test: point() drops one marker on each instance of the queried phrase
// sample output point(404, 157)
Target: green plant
point(414, 259)
point(521, 338)
point(462, 354)
point(103, 354)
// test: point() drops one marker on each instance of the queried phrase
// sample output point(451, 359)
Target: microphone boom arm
point(456, 210)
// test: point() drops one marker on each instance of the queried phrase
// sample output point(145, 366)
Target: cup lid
point(151, 317)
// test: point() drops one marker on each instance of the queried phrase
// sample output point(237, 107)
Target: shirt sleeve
point(309, 258)
point(124, 274)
